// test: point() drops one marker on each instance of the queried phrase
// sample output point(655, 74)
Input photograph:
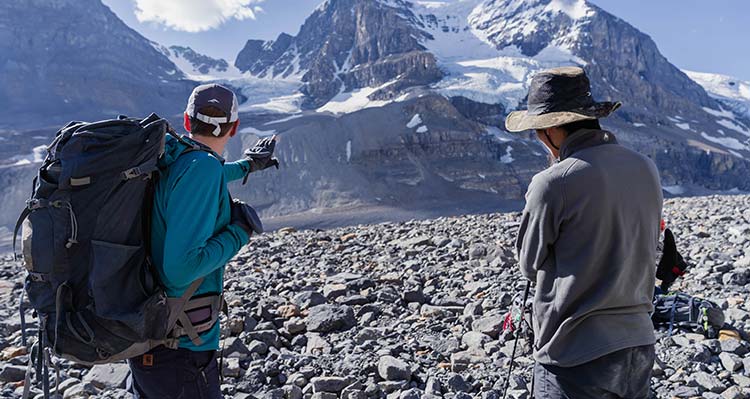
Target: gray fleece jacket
point(588, 240)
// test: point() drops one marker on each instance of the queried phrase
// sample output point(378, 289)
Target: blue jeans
point(166, 373)
point(624, 374)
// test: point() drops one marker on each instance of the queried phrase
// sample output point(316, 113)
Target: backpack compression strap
point(199, 316)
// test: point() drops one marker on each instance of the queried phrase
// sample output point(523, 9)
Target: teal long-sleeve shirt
point(191, 234)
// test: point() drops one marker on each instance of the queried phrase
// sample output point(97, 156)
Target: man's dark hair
point(573, 127)
point(199, 128)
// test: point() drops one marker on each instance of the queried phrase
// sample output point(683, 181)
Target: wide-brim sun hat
point(557, 97)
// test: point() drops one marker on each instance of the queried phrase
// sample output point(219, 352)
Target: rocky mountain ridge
point(65, 59)
point(391, 104)
point(482, 55)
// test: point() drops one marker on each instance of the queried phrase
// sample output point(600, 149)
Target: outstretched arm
point(236, 170)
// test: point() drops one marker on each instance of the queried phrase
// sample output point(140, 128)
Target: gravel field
point(415, 310)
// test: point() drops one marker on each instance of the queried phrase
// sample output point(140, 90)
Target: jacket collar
point(585, 138)
point(198, 145)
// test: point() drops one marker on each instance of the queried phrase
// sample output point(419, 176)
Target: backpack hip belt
point(199, 315)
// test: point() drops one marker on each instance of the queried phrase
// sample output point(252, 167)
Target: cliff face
point(412, 153)
point(345, 45)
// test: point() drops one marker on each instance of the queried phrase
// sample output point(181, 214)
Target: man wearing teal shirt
point(196, 229)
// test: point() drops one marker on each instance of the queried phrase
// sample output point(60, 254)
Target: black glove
point(261, 155)
point(672, 265)
point(244, 216)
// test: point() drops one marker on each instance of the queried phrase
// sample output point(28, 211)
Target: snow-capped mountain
point(393, 103)
point(485, 50)
point(733, 93)
point(67, 59)
point(197, 66)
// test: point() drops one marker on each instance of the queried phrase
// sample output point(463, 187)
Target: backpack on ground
point(85, 234)
point(679, 310)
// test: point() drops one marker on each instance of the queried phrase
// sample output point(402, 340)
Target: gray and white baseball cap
point(213, 95)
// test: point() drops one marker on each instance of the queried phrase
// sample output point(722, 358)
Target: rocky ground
point(415, 309)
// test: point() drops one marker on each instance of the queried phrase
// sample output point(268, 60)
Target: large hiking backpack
point(85, 234)
point(679, 310)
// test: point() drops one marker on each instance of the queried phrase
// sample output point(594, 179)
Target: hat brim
point(519, 121)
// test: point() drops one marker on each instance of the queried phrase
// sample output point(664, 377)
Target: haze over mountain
point(388, 104)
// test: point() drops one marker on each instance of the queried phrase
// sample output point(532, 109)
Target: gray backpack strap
point(186, 326)
point(189, 329)
point(25, 214)
point(177, 305)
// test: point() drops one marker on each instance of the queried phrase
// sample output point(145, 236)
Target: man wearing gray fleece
point(588, 240)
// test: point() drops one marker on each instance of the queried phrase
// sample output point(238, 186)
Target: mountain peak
point(531, 25)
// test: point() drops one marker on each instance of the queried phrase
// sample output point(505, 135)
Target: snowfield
point(475, 67)
point(732, 92)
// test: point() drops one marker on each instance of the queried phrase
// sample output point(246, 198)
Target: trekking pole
point(515, 343)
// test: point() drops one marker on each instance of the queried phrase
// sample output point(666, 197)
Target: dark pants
point(174, 374)
point(625, 374)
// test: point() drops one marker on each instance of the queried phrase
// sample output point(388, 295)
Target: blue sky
point(701, 35)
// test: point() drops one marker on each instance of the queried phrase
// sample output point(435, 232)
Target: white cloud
point(195, 15)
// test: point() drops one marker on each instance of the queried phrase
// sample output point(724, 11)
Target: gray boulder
point(392, 369)
point(327, 318)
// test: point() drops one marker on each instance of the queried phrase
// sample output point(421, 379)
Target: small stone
point(348, 237)
point(234, 347)
point(456, 383)
point(730, 361)
point(111, 375)
point(295, 325)
point(489, 325)
point(11, 373)
point(80, 391)
point(232, 367)
point(439, 311)
point(733, 393)
point(13, 352)
point(709, 381)
point(414, 295)
point(440, 241)
point(741, 380)
point(292, 392)
point(66, 384)
point(392, 369)
point(433, 386)
point(475, 339)
point(368, 334)
point(353, 300)
point(268, 337)
point(307, 299)
point(288, 311)
point(518, 394)
point(329, 384)
point(733, 346)
point(686, 340)
point(477, 251)
point(333, 291)
point(416, 242)
point(258, 347)
point(413, 393)
point(327, 318)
